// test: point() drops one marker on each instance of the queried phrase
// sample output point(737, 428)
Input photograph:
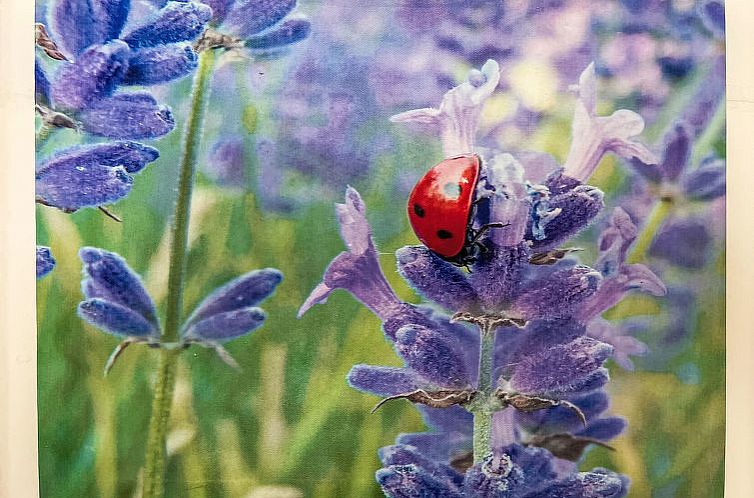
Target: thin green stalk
point(483, 412)
point(657, 217)
point(154, 471)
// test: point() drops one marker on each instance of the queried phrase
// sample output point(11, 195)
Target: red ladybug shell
point(440, 204)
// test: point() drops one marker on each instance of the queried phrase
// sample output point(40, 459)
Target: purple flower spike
point(496, 277)
point(225, 326)
point(432, 355)
point(128, 115)
point(41, 85)
point(243, 293)
point(111, 283)
point(45, 261)
point(287, 33)
point(109, 277)
point(78, 24)
point(707, 182)
point(91, 175)
point(94, 75)
point(383, 381)
point(562, 370)
point(685, 243)
point(357, 270)
point(557, 294)
point(435, 278)
point(115, 319)
point(150, 66)
point(594, 136)
point(249, 17)
point(176, 22)
point(412, 481)
point(457, 118)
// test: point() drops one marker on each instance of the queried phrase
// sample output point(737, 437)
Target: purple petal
point(115, 319)
point(245, 291)
point(458, 116)
point(686, 243)
point(596, 484)
point(287, 33)
point(110, 278)
point(496, 276)
point(562, 369)
point(401, 454)
point(69, 185)
point(94, 75)
point(128, 115)
point(538, 335)
point(77, 24)
point(91, 175)
point(561, 419)
point(509, 200)
point(411, 481)
point(708, 98)
point(557, 294)
point(383, 381)
point(41, 84)
point(612, 290)
point(176, 22)
point(153, 65)
point(45, 261)
point(453, 419)
point(432, 355)
point(578, 208)
point(435, 278)
point(226, 163)
point(358, 271)
point(604, 429)
point(249, 17)
point(614, 242)
point(225, 326)
point(707, 182)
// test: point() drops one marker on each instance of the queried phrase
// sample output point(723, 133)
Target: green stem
point(154, 472)
point(482, 411)
point(656, 218)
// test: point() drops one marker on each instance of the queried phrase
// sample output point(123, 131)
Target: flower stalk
point(483, 411)
point(156, 451)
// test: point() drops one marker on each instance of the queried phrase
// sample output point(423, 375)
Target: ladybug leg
point(484, 228)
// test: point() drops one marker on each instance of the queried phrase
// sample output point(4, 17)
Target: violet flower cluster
point(117, 303)
point(535, 362)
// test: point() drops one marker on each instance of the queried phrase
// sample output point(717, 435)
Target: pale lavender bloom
point(594, 136)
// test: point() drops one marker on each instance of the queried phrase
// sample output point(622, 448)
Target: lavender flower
point(531, 363)
point(45, 261)
point(117, 303)
point(91, 175)
point(107, 54)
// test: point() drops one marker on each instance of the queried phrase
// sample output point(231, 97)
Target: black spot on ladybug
point(444, 234)
point(452, 190)
point(419, 211)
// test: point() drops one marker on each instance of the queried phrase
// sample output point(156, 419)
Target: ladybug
point(441, 208)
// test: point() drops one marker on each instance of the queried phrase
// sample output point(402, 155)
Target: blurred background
point(283, 138)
